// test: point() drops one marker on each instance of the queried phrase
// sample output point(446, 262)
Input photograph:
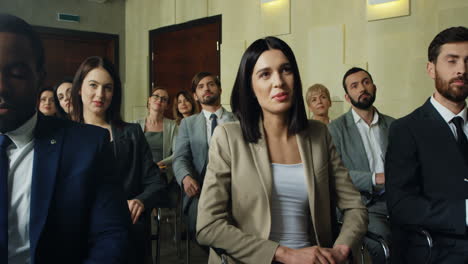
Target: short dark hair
point(199, 76)
point(113, 112)
point(449, 35)
point(243, 101)
point(352, 71)
point(60, 111)
point(175, 110)
point(16, 25)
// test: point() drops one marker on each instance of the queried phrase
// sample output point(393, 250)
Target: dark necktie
point(214, 122)
point(4, 141)
point(461, 137)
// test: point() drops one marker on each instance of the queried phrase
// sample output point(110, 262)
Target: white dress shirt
point(370, 136)
point(222, 118)
point(448, 115)
point(20, 153)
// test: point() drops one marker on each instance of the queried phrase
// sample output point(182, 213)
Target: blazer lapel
point(262, 162)
point(47, 147)
point(307, 156)
point(199, 135)
point(355, 142)
point(383, 133)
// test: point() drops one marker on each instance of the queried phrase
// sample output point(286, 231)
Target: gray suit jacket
point(191, 148)
point(349, 145)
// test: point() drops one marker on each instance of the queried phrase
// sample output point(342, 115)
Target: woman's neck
point(155, 117)
point(94, 119)
point(321, 118)
point(276, 126)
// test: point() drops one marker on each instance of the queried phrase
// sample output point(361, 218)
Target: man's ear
point(430, 69)
point(346, 97)
point(195, 97)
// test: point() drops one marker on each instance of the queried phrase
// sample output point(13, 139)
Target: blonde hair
point(317, 88)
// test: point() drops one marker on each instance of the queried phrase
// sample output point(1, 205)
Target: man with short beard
point(360, 137)
point(193, 139)
point(427, 162)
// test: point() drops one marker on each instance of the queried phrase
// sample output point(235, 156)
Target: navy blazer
point(425, 177)
point(78, 213)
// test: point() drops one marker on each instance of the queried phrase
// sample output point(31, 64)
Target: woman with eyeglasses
point(96, 99)
point(160, 132)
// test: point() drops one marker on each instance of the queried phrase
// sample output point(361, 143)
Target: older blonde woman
point(319, 101)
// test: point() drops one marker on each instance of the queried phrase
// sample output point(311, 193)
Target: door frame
point(189, 24)
point(85, 35)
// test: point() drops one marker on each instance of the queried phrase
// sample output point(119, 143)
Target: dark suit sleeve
point(406, 203)
point(109, 216)
point(182, 160)
point(154, 186)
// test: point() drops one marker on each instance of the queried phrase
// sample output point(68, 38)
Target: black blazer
point(78, 213)
point(425, 173)
point(141, 177)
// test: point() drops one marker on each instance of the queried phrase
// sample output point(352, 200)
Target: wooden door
point(65, 50)
point(178, 52)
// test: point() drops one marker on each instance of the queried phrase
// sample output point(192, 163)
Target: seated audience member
point(46, 102)
point(96, 98)
point(58, 200)
point(63, 96)
point(427, 161)
point(193, 139)
point(184, 106)
point(360, 137)
point(273, 179)
point(160, 132)
point(319, 101)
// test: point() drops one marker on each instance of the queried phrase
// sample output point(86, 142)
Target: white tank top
point(290, 214)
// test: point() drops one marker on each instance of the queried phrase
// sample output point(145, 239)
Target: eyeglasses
point(160, 98)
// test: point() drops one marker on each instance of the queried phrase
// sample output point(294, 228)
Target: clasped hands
point(313, 255)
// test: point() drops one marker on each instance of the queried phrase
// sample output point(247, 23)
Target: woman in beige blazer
point(248, 181)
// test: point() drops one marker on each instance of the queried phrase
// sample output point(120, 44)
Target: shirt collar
point(446, 114)
point(23, 134)
point(219, 113)
point(358, 118)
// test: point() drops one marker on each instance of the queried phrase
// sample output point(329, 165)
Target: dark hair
point(175, 110)
point(352, 71)
point(45, 89)
point(199, 76)
point(16, 25)
point(60, 111)
point(449, 35)
point(243, 101)
point(113, 112)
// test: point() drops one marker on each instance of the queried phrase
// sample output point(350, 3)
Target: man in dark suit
point(191, 149)
point(427, 161)
point(58, 202)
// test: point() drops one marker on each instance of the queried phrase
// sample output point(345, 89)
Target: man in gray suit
point(191, 150)
point(361, 137)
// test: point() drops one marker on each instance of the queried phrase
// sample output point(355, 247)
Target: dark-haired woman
point(184, 106)
point(274, 178)
point(96, 99)
point(46, 102)
point(62, 94)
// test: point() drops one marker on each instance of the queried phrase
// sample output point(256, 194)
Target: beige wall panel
point(187, 10)
point(276, 17)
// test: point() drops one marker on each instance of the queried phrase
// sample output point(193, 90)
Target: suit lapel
point(47, 147)
point(200, 127)
point(354, 140)
point(262, 162)
point(307, 156)
point(383, 133)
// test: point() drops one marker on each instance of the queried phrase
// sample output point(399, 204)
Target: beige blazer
point(234, 207)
